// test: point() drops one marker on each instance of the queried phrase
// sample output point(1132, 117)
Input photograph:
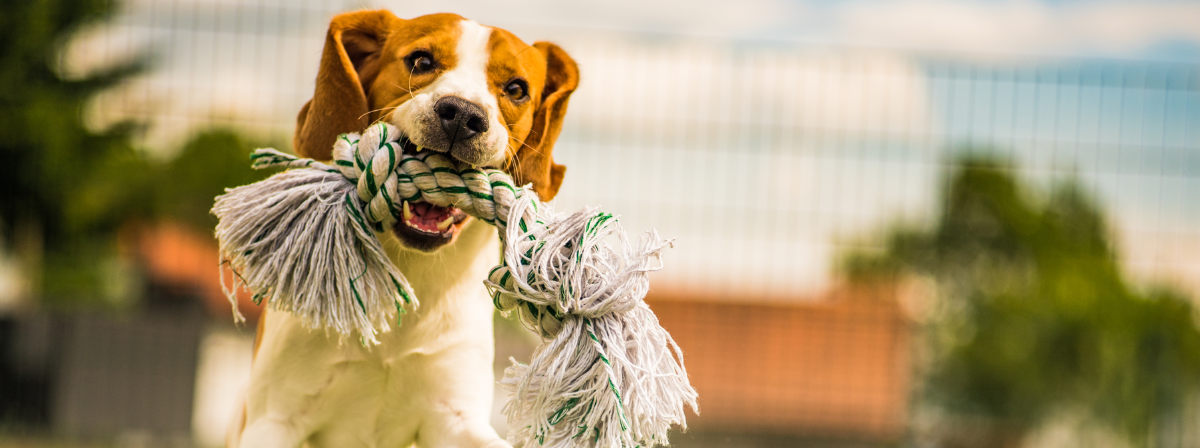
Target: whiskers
point(514, 164)
point(377, 120)
point(522, 142)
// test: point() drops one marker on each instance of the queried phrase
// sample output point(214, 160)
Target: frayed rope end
point(296, 238)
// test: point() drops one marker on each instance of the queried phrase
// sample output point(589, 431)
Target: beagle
point(482, 96)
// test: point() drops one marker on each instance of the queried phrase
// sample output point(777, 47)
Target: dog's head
point(477, 93)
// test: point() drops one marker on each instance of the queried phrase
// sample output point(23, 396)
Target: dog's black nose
point(461, 119)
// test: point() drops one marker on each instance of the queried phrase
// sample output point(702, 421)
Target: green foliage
point(65, 189)
point(1035, 316)
point(58, 175)
point(210, 162)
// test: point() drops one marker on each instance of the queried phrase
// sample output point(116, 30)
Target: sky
point(1154, 29)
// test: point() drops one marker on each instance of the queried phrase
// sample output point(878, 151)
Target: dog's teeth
point(446, 223)
point(408, 214)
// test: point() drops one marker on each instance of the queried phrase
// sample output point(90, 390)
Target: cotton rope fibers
point(606, 374)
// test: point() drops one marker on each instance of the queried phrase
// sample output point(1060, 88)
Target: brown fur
point(362, 76)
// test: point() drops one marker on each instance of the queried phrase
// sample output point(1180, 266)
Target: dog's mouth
point(424, 226)
point(433, 220)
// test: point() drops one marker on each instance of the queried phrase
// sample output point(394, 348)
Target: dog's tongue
point(426, 216)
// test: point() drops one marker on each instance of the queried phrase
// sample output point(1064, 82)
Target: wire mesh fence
point(769, 155)
point(767, 162)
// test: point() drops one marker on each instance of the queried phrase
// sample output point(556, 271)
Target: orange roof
point(839, 366)
point(178, 255)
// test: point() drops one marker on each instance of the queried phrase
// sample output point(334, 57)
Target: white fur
point(429, 382)
point(469, 80)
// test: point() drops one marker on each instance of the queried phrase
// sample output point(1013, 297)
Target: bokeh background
point(922, 223)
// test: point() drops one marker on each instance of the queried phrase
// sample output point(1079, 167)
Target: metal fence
point(765, 161)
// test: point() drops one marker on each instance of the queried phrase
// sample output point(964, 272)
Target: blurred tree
point(1034, 316)
point(64, 188)
point(210, 162)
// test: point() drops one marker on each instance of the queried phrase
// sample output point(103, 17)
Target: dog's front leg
point(458, 414)
point(458, 385)
point(268, 433)
point(453, 431)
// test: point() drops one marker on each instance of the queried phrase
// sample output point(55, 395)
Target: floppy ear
point(533, 163)
point(349, 64)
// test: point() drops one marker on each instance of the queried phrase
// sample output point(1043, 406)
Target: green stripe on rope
point(558, 415)
point(400, 289)
point(391, 205)
point(355, 215)
point(358, 297)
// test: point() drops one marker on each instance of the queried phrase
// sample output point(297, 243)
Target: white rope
point(606, 375)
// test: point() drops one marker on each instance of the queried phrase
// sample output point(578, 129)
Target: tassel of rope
point(607, 373)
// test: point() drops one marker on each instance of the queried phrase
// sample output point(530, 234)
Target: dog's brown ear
point(349, 63)
point(533, 162)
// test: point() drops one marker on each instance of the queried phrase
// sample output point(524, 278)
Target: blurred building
point(836, 369)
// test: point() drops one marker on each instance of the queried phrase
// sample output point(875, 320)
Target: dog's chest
point(436, 366)
point(439, 361)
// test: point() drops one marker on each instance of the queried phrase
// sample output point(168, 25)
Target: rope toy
point(606, 374)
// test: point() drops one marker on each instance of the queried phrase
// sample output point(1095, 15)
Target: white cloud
point(1017, 26)
point(1128, 26)
point(700, 17)
point(1030, 27)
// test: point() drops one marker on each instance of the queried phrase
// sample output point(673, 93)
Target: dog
point(485, 98)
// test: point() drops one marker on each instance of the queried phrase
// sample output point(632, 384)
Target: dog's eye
point(517, 90)
point(420, 62)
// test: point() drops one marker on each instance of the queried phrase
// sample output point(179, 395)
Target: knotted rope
point(606, 375)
